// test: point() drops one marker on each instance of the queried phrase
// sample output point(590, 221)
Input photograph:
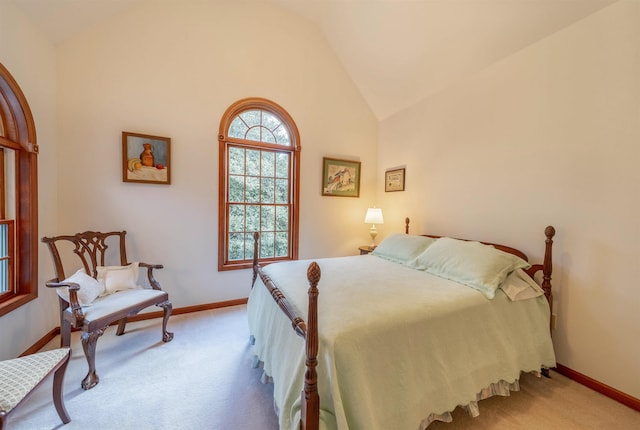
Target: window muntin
point(259, 200)
point(260, 126)
point(259, 157)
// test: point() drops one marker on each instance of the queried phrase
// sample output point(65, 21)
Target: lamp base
point(373, 232)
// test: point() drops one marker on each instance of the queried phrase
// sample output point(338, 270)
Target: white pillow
point(474, 264)
point(402, 248)
point(118, 278)
point(520, 286)
point(90, 288)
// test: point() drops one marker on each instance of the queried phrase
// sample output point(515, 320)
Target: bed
point(400, 337)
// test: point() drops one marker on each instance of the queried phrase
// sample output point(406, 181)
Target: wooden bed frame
point(308, 330)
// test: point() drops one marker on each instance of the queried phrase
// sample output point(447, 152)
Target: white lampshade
point(374, 216)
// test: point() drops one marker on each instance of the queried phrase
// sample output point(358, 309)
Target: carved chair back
point(90, 248)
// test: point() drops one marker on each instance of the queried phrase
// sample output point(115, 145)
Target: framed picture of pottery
point(146, 158)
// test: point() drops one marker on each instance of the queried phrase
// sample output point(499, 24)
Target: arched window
point(259, 183)
point(18, 199)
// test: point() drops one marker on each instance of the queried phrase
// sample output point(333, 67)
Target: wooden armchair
point(98, 295)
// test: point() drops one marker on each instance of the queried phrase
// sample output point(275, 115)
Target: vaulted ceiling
point(397, 52)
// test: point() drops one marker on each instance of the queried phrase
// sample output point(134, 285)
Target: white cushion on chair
point(118, 278)
point(19, 376)
point(115, 302)
point(90, 288)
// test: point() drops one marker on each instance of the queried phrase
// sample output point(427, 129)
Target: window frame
point(19, 134)
point(224, 143)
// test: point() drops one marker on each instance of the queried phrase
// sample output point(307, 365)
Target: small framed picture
point(146, 158)
point(394, 180)
point(340, 178)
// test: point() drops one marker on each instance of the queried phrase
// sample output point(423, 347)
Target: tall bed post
point(310, 398)
point(256, 241)
point(547, 266)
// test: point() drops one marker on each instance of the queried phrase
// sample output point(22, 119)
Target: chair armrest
point(73, 287)
point(152, 281)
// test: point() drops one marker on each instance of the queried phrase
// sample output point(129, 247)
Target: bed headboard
point(504, 248)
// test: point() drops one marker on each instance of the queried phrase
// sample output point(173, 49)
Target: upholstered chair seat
point(19, 377)
point(102, 307)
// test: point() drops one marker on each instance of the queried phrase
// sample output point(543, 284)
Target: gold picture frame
point(340, 178)
point(394, 180)
point(146, 158)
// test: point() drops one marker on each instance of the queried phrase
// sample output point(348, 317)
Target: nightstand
point(366, 249)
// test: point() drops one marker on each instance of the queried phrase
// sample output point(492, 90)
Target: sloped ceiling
point(397, 52)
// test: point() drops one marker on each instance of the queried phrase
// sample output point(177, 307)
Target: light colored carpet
point(203, 379)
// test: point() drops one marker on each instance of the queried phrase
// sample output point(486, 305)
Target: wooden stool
point(19, 377)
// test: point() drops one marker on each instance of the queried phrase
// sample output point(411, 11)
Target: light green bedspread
point(395, 344)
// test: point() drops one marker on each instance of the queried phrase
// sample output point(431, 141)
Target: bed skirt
point(500, 388)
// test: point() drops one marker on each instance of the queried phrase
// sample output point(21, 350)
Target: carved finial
point(313, 273)
point(406, 225)
point(549, 232)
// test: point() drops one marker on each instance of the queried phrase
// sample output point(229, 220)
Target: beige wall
point(549, 135)
point(31, 62)
point(171, 69)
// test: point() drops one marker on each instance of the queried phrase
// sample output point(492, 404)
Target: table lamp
point(373, 217)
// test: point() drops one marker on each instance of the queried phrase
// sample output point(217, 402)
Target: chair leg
point(58, 397)
point(89, 341)
point(121, 325)
point(167, 307)
point(65, 333)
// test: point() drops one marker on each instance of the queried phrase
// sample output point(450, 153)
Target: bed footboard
point(310, 409)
